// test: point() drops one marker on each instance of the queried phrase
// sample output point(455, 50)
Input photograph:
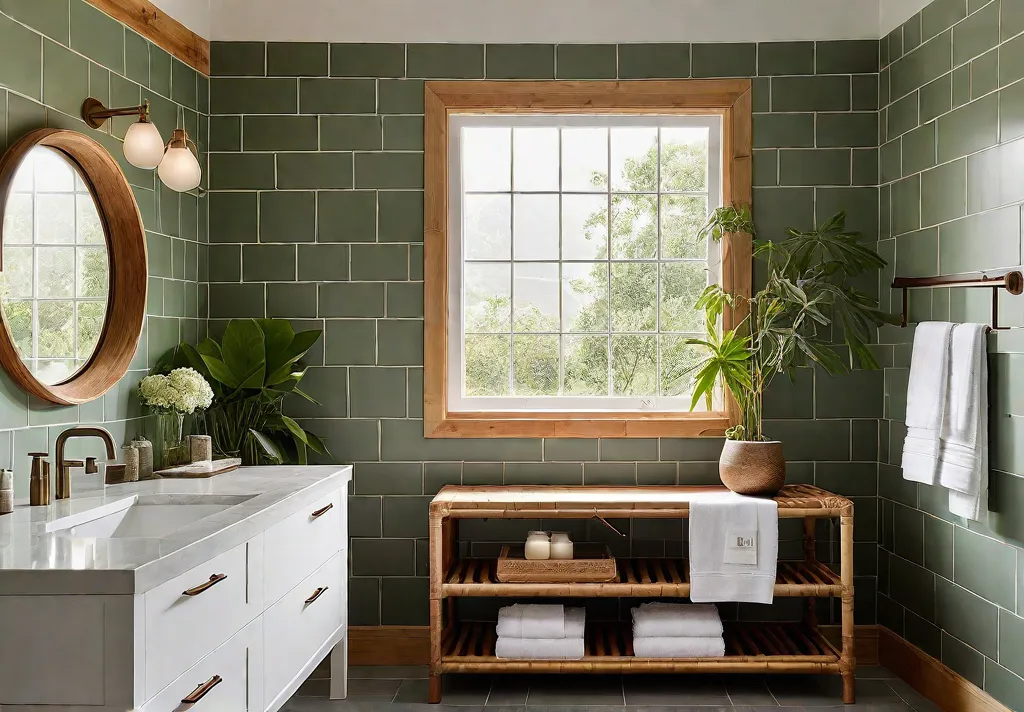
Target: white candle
point(538, 546)
point(561, 545)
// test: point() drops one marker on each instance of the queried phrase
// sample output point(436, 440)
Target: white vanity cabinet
point(238, 632)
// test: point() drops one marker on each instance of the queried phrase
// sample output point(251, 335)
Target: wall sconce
point(178, 167)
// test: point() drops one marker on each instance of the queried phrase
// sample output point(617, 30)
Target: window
point(566, 258)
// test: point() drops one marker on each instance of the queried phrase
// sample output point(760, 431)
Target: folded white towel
point(716, 519)
point(539, 648)
point(676, 620)
point(926, 399)
point(533, 620)
point(963, 468)
point(678, 647)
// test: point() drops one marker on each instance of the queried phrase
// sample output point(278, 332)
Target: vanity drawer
point(297, 546)
point(238, 664)
point(189, 616)
point(299, 625)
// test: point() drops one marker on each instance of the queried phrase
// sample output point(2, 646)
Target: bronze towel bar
point(1012, 281)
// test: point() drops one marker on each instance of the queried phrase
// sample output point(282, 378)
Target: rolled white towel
point(678, 647)
point(539, 648)
point(676, 620)
point(532, 620)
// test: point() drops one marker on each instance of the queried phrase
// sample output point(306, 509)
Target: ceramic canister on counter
point(145, 449)
point(200, 448)
point(131, 463)
point(6, 491)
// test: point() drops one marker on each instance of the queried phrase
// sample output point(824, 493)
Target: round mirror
point(55, 280)
point(72, 267)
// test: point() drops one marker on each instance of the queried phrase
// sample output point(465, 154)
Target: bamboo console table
point(800, 647)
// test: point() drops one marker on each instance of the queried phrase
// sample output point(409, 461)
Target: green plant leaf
point(268, 445)
point(244, 348)
point(278, 335)
point(299, 347)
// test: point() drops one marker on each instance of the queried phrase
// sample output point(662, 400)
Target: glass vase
point(173, 448)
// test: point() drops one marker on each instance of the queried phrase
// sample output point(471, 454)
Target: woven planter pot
point(757, 469)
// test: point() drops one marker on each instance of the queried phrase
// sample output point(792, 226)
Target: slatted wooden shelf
point(749, 647)
point(638, 578)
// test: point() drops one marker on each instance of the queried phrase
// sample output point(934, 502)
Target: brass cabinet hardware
point(321, 512)
point(316, 594)
point(214, 580)
point(201, 691)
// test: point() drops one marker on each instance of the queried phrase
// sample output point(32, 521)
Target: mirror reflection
point(55, 277)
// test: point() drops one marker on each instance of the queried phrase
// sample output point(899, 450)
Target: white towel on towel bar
point(535, 620)
point(678, 647)
point(676, 620)
point(926, 401)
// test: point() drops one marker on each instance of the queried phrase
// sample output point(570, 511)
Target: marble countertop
point(34, 561)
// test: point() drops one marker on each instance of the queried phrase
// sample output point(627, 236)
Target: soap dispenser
point(39, 486)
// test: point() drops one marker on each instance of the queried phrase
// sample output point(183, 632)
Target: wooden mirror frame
point(126, 257)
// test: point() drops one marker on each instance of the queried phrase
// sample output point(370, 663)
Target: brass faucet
point(64, 466)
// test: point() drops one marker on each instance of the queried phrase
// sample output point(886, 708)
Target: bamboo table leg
point(810, 555)
point(439, 560)
point(847, 661)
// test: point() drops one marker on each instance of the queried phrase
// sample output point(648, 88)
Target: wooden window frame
point(728, 98)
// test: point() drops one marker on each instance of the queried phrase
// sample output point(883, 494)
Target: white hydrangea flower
point(184, 390)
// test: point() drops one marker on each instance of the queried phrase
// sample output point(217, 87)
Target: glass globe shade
point(180, 170)
point(143, 146)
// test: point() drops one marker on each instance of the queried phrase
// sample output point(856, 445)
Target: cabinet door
point(297, 546)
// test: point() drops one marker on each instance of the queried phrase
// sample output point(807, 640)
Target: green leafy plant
point(810, 301)
point(254, 368)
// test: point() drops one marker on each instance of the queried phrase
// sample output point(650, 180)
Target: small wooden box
point(592, 565)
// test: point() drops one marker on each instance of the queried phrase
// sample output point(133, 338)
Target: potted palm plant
point(808, 307)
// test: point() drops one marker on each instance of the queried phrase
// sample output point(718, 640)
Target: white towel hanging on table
point(926, 401)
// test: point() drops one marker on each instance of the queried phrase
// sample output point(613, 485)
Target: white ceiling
point(540, 20)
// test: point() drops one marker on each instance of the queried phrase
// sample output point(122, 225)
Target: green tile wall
point(316, 215)
point(951, 202)
point(54, 54)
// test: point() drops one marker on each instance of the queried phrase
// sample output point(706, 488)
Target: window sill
point(578, 425)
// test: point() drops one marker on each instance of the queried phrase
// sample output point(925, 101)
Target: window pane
point(535, 159)
point(536, 297)
point(634, 365)
point(535, 232)
point(634, 227)
point(585, 160)
point(17, 274)
point(55, 218)
point(90, 229)
point(56, 329)
point(90, 325)
point(18, 218)
point(486, 158)
point(634, 294)
point(23, 177)
point(53, 172)
point(586, 365)
point(56, 272)
point(682, 217)
point(585, 297)
point(676, 359)
point(92, 272)
point(635, 159)
point(488, 298)
point(19, 320)
point(487, 365)
point(535, 365)
point(54, 370)
point(681, 284)
point(684, 159)
point(584, 227)
point(487, 231)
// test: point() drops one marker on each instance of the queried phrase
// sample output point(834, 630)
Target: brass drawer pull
point(321, 512)
point(201, 691)
point(214, 580)
point(316, 594)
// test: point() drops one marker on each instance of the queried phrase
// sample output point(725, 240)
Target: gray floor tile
point(377, 689)
point(749, 690)
point(458, 690)
point(675, 690)
point(874, 672)
point(388, 672)
point(509, 690)
point(827, 691)
point(576, 690)
point(912, 697)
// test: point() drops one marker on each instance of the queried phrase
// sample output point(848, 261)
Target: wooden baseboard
point(931, 678)
point(389, 645)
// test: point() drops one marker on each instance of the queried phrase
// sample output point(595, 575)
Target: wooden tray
point(206, 468)
point(592, 565)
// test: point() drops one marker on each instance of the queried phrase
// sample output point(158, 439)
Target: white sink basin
point(143, 517)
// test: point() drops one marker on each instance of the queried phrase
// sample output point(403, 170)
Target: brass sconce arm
point(95, 113)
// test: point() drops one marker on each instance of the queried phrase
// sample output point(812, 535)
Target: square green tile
point(985, 566)
point(352, 299)
point(941, 15)
point(963, 660)
point(884, 88)
point(50, 17)
point(170, 210)
point(984, 74)
point(585, 61)
point(822, 93)
point(378, 393)
point(967, 617)
point(814, 167)
point(288, 216)
point(97, 36)
point(775, 58)
point(225, 263)
point(926, 63)
point(906, 205)
point(919, 149)
point(297, 59)
point(908, 531)
point(653, 60)
point(404, 300)
point(944, 193)
point(859, 204)
point(99, 83)
point(936, 98)
point(237, 301)
point(400, 96)
point(890, 161)
point(911, 586)
point(865, 92)
point(856, 129)
point(846, 57)
point(902, 116)
point(350, 341)
point(912, 33)
point(777, 209)
point(991, 177)
point(65, 78)
point(724, 59)
point(238, 59)
point(244, 95)
point(136, 57)
point(765, 168)
point(403, 133)
point(894, 40)
point(520, 61)
point(367, 60)
point(400, 342)
point(268, 263)
point(280, 133)
point(1011, 20)
point(323, 263)
point(761, 94)
point(314, 170)
point(184, 84)
point(347, 216)
point(400, 216)
point(287, 300)
point(1011, 647)
point(225, 133)
point(783, 130)
point(976, 35)
point(337, 96)
point(389, 170)
point(865, 166)
point(980, 242)
point(350, 133)
point(233, 217)
point(961, 85)
point(1011, 112)
point(445, 61)
point(968, 129)
point(379, 263)
point(241, 171)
